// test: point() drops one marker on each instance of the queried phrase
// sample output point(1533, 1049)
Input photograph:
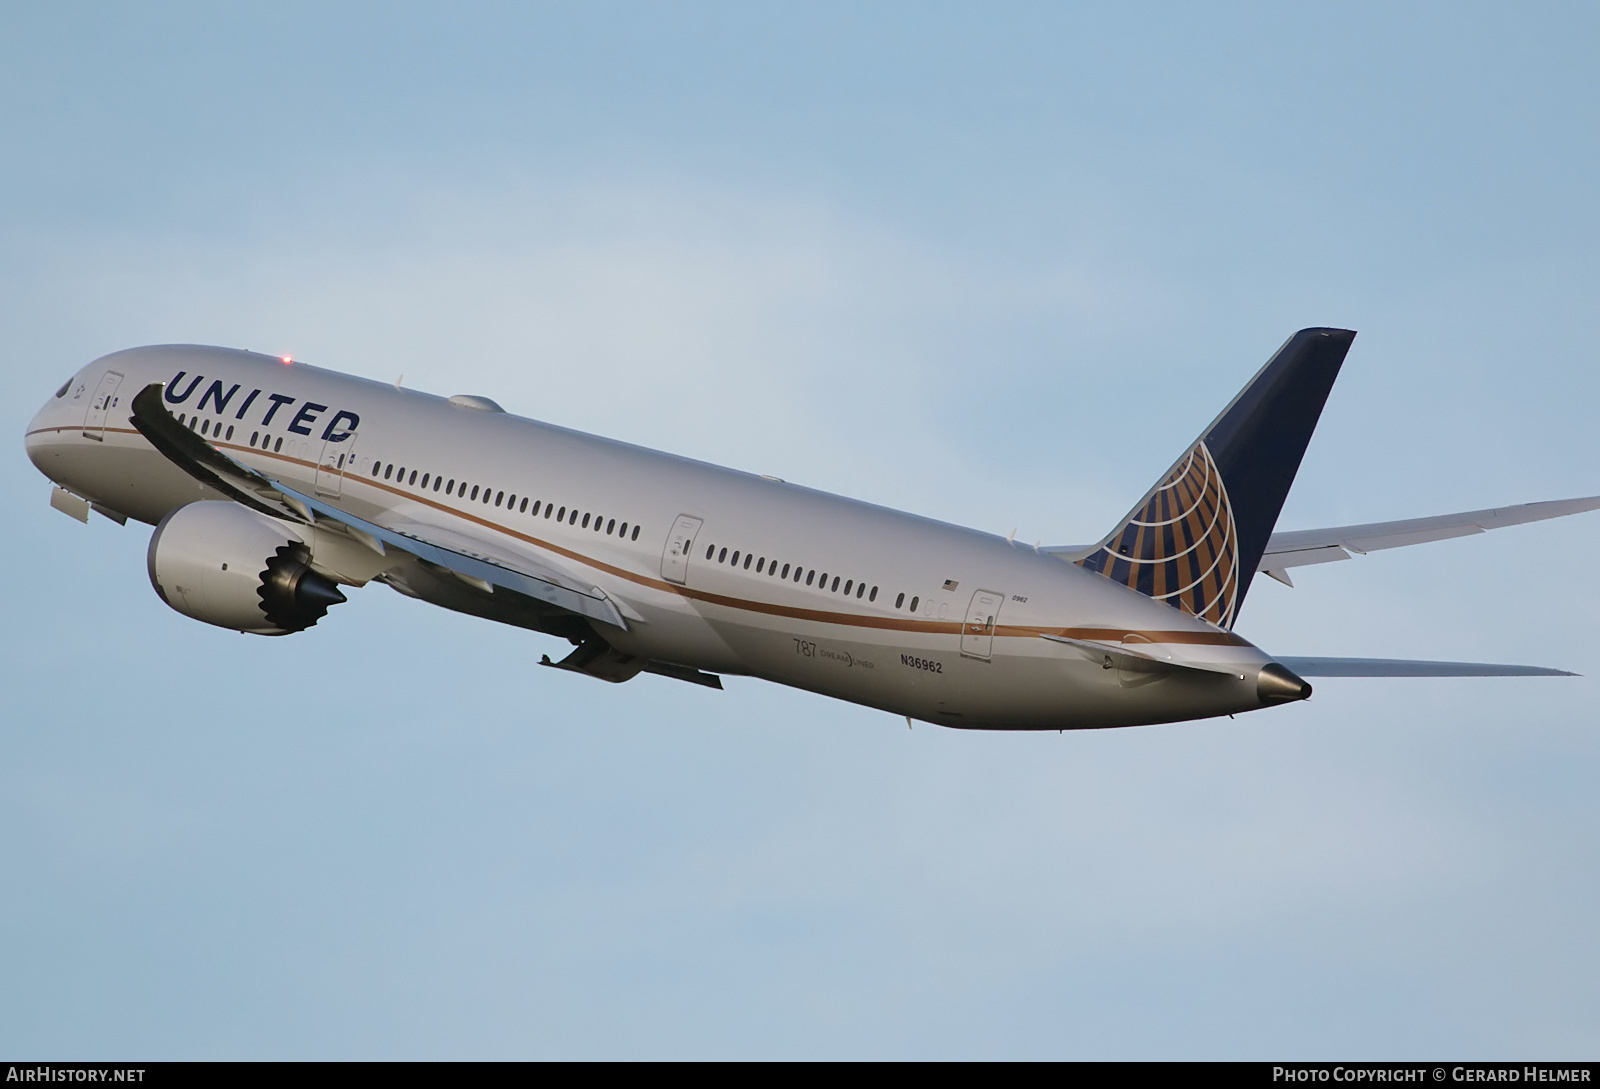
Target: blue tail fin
point(1194, 541)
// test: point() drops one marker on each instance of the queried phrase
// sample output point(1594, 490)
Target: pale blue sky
point(995, 264)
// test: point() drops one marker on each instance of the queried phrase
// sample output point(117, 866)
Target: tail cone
point(1275, 684)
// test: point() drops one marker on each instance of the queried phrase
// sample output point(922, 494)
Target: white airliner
point(272, 484)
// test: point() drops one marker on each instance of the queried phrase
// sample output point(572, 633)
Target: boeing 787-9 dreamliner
point(273, 484)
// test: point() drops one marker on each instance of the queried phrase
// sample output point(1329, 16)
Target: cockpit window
point(62, 392)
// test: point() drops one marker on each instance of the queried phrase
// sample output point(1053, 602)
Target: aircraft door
point(94, 421)
point(675, 560)
point(336, 458)
point(977, 634)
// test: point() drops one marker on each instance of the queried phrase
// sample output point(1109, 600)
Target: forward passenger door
point(94, 421)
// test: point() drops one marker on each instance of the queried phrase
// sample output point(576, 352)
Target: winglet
point(1196, 538)
point(205, 462)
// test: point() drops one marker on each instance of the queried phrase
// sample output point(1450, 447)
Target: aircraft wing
point(1297, 548)
point(477, 563)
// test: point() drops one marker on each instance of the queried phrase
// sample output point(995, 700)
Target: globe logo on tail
point(1180, 546)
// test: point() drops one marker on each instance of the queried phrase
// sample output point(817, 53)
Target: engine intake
point(223, 564)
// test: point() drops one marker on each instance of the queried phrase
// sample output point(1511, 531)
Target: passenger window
point(499, 497)
point(572, 519)
point(474, 491)
point(181, 418)
point(450, 488)
point(762, 562)
point(836, 584)
point(229, 436)
point(847, 587)
point(547, 509)
point(811, 575)
point(635, 536)
point(438, 480)
point(424, 481)
point(722, 557)
point(914, 603)
point(870, 597)
point(736, 557)
point(413, 479)
point(254, 435)
point(277, 446)
point(586, 521)
point(561, 516)
point(623, 530)
point(747, 561)
point(710, 551)
point(388, 471)
point(536, 508)
point(612, 524)
point(785, 572)
point(899, 600)
point(488, 494)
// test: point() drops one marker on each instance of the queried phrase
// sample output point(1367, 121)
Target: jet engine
point(224, 564)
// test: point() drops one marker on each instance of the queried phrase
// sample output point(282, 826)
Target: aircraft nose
point(35, 437)
point(1275, 684)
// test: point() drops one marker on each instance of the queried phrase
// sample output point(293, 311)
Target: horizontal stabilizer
point(1401, 667)
point(1297, 548)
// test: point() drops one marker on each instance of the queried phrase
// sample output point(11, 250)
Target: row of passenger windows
point(599, 522)
point(572, 517)
point(216, 432)
point(195, 423)
point(799, 573)
point(476, 493)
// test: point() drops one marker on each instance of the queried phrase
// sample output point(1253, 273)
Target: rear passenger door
point(977, 633)
point(675, 558)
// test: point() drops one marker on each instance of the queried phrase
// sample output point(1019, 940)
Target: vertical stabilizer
point(1194, 541)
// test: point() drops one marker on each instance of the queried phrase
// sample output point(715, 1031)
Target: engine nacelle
point(224, 564)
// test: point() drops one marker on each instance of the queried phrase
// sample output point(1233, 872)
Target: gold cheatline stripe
point(855, 620)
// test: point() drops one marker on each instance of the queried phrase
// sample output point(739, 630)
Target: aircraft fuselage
point(715, 570)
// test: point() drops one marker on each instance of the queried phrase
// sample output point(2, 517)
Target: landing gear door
point(977, 634)
point(675, 560)
point(336, 458)
point(105, 397)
